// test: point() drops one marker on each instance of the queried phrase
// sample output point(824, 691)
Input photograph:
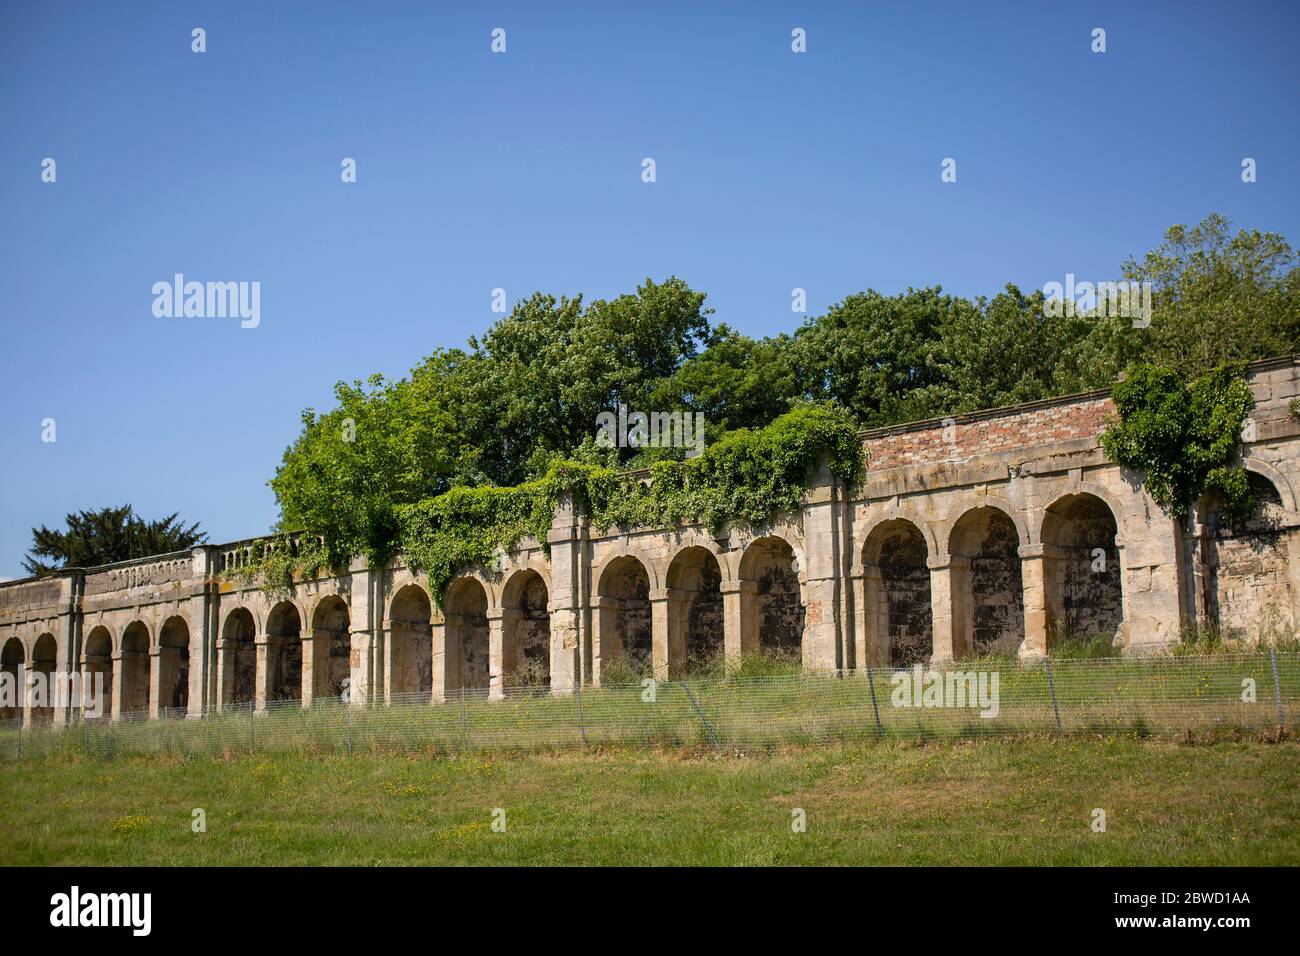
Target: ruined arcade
point(997, 531)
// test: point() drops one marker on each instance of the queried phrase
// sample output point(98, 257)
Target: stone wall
point(1003, 530)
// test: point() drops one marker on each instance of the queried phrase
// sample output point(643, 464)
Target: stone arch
point(97, 674)
point(1280, 485)
point(1081, 489)
point(526, 630)
point(696, 635)
point(135, 675)
point(408, 662)
point(624, 623)
point(973, 502)
point(174, 665)
point(648, 565)
point(1247, 575)
point(864, 529)
point(692, 538)
point(897, 611)
point(13, 664)
point(1082, 572)
point(331, 648)
point(988, 611)
point(45, 652)
point(238, 657)
point(284, 652)
point(770, 576)
point(468, 644)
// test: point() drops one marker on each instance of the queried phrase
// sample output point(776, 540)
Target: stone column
point(941, 609)
point(497, 663)
point(659, 651)
point(365, 617)
point(117, 685)
point(65, 666)
point(394, 647)
point(155, 684)
point(225, 672)
point(1033, 579)
point(446, 658)
point(202, 622)
point(569, 567)
point(820, 578)
point(265, 672)
point(310, 679)
point(25, 688)
point(739, 606)
point(361, 684)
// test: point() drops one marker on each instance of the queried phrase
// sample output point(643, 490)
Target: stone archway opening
point(988, 612)
point(526, 631)
point(468, 643)
point(1246, 581)
point(409, 661)
point(625, 622)
point(173, 667)
point(97, 675)
point(44, 661)
point(284, 653)
point(769, 575)
point(331, 648)
point(13, 660)
point(239, 657)
point(1081, 570)
point(899, 615)
point(136, 672)
point(695, 616)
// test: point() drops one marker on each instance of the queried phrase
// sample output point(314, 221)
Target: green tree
point(385, 444)
point(110, 534)
point(1219, 297)
point(879, 356)
point(542, 374)
point(735, 381)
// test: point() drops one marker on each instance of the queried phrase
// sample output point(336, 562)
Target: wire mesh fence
point(1144, 695)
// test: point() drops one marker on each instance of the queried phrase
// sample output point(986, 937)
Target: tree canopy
point(526, 395)
point(110, 534)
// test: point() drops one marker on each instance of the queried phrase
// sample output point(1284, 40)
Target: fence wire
point(1113, 695)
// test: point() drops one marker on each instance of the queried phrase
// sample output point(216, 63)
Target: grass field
point(1026, 800)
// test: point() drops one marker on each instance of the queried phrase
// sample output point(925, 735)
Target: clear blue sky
point(522, 171)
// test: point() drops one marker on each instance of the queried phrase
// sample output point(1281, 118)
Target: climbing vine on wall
point(281, 559)
point(749, 475)
point(1185, 436)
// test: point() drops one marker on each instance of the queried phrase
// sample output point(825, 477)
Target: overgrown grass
point(1025, 801)
point(1165, 695)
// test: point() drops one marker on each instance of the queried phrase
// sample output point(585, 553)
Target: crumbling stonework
point(996, 531)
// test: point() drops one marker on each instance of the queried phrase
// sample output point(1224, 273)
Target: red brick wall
point(1045, 426)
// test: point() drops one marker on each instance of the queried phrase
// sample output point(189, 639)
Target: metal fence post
point(20, 732)
point(1051, 689)
point(1277, 688)
point(875, 706)
point(347, 726)
point(699, 712)
point(252, 735)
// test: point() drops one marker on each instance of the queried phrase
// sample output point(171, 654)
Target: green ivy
point(282, 559)
point(749, 475)
point(1184, 437)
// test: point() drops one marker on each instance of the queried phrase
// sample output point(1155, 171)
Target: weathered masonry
point(1000, 530)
